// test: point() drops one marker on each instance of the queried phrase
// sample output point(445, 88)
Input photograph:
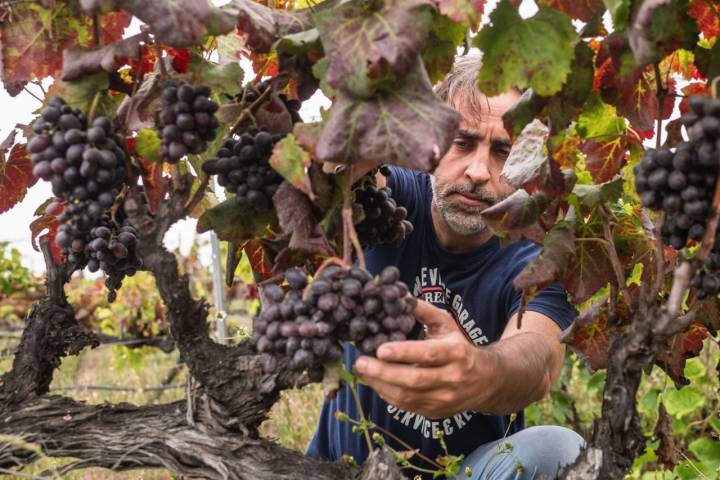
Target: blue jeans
point(531, 454)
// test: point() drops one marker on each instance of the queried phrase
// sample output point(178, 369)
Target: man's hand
point(436, 377)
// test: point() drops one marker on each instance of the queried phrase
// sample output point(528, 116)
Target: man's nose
point(478, 170)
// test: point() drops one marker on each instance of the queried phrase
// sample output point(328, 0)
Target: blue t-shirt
point(476, 288)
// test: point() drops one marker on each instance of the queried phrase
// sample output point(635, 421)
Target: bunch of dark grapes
point(682, 183)
point(187, 120)
point(292, 105)
point(112, 250)
point(341, 304)
point(243, 168)
point(383, 220)
point(85, 166)
point(707, 279)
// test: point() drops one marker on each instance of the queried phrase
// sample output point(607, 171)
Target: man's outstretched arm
point(445, 374)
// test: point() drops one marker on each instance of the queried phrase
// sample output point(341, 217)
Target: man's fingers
point(433, 352)
point(372, 371)
point(438, 321)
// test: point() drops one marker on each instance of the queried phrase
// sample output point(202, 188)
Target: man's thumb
point(438, 321)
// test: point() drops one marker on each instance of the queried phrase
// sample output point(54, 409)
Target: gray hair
point(459, 88)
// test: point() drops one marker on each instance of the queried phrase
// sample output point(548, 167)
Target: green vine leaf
point(227, 78)
point(290, 160)
point(439, 52)
point(660, 27)
point(371, 46)
point(536, 52)
point(593, 195)
point(523, 111)
point(234, 223)
point(408, 126)
point(262, 26)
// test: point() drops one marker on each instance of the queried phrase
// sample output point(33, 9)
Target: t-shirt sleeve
point(551, 302)
point(408, 189)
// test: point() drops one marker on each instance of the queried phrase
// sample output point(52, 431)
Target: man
point(457, 267)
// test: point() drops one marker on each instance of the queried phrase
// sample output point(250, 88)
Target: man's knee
point(531, 454)
point(545, 450)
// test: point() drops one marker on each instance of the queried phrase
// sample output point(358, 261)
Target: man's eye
point(503, 152)
point(462, 144)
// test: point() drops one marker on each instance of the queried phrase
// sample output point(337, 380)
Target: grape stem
point(612, 252)
point(198, 195)
point(248, 111)
point(660, 94)
point(96, 30)
point(93, 106)
point(349, 232)
point(358, 405)
point(161, 62)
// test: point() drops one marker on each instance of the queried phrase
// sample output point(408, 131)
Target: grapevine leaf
point(138, 112)
point(295, 214)
point(232, 260)
point(262, 26)
point(536, 52)
point(708, 61)
point(660, 27)
point(226, 78)
point(81, 61)
point(708, 312)
point(180, 23)
point(708, 451)
point(678, 349)
point(258, 258)
point(593, 195)
point(567, 104)
point(583, 10)
point(369, 46)
point(604, 159)
point(235, 223)
point(628, 86)
point(147, 145)
point(589, 335)
point(81, 93)
point(440, 48)
point(462, 11)
point(556, 256)
point(591, 269)
point(523, 111)
point(41, 223)
point(409, 127)
point(15, 176)
point(620, 12)
point(519, 210)
point(707, 15)
point(34, 40)
point(155, 185)
point(290, 161)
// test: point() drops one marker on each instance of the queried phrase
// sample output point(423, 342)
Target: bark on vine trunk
point(213, 433)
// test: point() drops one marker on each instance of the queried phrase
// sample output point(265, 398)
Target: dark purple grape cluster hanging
point(383, 221)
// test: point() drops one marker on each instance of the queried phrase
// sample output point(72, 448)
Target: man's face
point(467, 179)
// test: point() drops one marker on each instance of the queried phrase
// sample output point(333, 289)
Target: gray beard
point(464, 220)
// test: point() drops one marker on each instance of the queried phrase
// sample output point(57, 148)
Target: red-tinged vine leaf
point(629, 87)
point(604, 159)
point(667, 450)
point(273, 116)
point(659, 28)
point(528, 166)
point(536, 52)
point(695, 88)
point(307, 135)
point(556, 256)
point(462, 11)
point(262, 26)
point(678, 349)
point(522, 112)
point(370, 46)
point(296, 218)
point(707, 15)
point(591, 269)
point(234, 223)
point(81, 61)
point(15, 176)
point(155, 185)
point(583, 10)
point(290, 160)
point(589, 335)
point(681, 62)
point(441, 45)
point(179, 23)
point(258, 258)
point(409, 127)
point(518, 211)
point(42, 222)
point(34, 40)
point(707, 312)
